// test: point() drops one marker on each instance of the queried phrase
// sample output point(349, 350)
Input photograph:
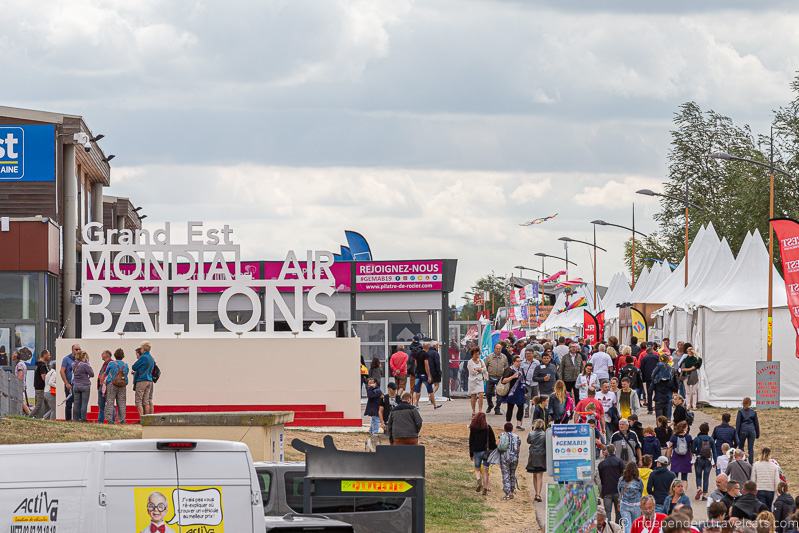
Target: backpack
point(689, 418)
point(504, 443)
point(704, 449)
point(156, 373)
point(682, 446)
point(120, 379)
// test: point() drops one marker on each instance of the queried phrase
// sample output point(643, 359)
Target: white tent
point(618, 292)
point(642, 284)
point(731, 331)
point(573, 318)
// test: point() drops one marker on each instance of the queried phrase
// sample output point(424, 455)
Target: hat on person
point(538, 348)
point(662, 460)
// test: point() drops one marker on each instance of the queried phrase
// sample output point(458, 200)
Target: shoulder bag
point(493, 455)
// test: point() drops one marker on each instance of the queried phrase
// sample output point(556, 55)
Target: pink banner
point(395, 276)
point(341, 274)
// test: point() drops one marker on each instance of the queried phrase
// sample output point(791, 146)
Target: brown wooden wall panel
point(27, 199)
point(30, 246)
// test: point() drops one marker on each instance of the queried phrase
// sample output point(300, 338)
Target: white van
point(129, 486)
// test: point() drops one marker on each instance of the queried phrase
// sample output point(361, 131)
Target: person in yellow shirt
point(645, 470)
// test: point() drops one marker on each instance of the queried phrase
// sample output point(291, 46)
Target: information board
point(767, 384)
point(572, 452)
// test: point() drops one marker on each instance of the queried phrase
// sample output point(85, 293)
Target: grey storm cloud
point(434, 127)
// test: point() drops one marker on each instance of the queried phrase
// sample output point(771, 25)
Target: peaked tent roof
point(708, 273)
point(618, 292)
point(641, 284)
point(746, 286)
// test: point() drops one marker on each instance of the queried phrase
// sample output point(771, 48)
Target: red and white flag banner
point(787, 231)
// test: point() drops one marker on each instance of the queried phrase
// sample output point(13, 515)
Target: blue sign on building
point(27, 153)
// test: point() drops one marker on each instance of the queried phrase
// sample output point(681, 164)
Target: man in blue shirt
point(143, 379)
point(66, 376)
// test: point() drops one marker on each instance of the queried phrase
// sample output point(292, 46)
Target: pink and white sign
point(250, 269)
point(342, 275)
point(394, 276)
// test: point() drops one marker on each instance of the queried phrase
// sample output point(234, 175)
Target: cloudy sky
point(433, 127)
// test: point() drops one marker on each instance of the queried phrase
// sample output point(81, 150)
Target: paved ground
point(459, 410)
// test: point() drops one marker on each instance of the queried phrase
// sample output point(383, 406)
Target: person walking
point(434, 357)
point(39, 384)
point(373, 397)
point(649, 520)
point(748, 506)
point(404, 423)
point(585, 381)
point(679, 451)
point(101, 386)
point(398, 365)
point(784, 506)
point(482, 442)
point(704, 458)
point(663, 385)
point(748, 427)
point(724, 433)
point(50, 385)
point(387, 404)
point(628, 448)
point(541, 410)
point(496, 363)
point(82, 373)
point(602, 363)
point(631, 489)
point(66, 377)
point(116, 382)
point(663, 432)
point(375, 372)
point(680, 413)
point(720, 491)
point(515, 397)
point(628, 402)
point(603, 525)
point(610, 470)
point(21, 372)
point(571, 367)
point(651, 444)
point(478, 373)
point(509, 445)
point(561, 405)
point(143, 379)
point(537, 456)
point(660, 481)
point(560, 351)
point(739, 469)
point(689, 373)
point(676, 498)
point(546, 374)
point(647, 365)
point(530, 386)
point(766, 473)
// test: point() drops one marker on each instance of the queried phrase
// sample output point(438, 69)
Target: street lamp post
point(771, 170)
point(542, 255)
point(594, 245)
point(633, 230)
point(686, 202)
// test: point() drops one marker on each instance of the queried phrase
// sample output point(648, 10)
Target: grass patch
point(776, 432)
point(451, 503)
point(23, 430)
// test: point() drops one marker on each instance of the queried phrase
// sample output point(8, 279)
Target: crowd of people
point(78, 379)
point(642, 471)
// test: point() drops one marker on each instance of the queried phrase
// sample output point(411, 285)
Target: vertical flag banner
point(787, 231)
point(590, 328)
point(638, 324)
point(486, 346)
point(600, 323)
point(514, 299)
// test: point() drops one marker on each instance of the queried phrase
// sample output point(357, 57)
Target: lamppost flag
point(787, 231)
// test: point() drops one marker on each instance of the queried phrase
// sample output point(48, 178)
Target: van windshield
point(324, 505)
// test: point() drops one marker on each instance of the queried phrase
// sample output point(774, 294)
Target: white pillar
point(69, 231)
point(97, 202)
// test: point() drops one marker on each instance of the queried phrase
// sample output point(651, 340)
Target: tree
point(733, 196)
point(646, 251)
point(497, 287)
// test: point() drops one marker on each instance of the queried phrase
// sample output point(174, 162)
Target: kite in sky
point(539, 220)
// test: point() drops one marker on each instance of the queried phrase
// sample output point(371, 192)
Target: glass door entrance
point(374, 345)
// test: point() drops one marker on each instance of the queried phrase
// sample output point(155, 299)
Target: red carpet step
point(305, 415)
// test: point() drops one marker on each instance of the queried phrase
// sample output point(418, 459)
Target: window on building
point(18, 296)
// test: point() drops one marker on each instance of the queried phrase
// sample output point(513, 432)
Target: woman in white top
point(766, 473)
point(587, 380)
point(477, 376)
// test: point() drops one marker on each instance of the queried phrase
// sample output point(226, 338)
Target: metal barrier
point(11, 394)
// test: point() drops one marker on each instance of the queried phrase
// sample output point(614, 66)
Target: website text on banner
point(388, 276)
point(787, 231)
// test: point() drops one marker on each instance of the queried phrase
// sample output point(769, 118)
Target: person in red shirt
point(649, 521)
point(398, 366)
point(581, 411)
